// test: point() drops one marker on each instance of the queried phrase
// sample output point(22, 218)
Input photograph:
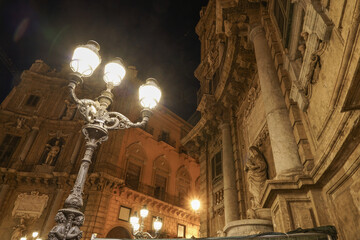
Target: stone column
point(231, 205)
point(284, 147)
point(3, 193)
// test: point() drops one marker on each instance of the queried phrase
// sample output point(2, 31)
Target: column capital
point(255, 31)
point(224, 125)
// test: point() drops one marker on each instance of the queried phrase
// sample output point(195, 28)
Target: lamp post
point(85, 60)
point(138, 229)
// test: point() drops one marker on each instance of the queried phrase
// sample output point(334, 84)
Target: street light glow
point(114, 72)
point(195, 204)
point(86, 59)
point(149, 93)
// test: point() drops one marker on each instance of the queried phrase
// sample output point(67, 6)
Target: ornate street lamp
point(138, 229)
point(85, 60)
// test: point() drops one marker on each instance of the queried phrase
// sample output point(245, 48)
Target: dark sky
point(158, 37)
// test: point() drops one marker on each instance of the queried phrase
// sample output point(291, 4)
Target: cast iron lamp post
point(138, 229)
point(85, 60)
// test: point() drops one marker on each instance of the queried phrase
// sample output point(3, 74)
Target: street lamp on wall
point(84, 62)
point(138, 228)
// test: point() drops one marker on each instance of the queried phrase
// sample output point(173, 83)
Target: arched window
point(161, 176)
point(135, 161)
point(183, 181)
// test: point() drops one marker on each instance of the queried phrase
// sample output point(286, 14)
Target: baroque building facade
point(278, 138)
point(41, 146)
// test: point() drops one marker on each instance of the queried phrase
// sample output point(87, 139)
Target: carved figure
point(20, 122)
point(302, 45)
point(52, 154)
point(75, 233)
point(18, 230)
point(256, 169)
point(58, 231)
point(70, 110)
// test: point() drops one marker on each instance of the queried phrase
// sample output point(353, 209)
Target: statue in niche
point(51, 152)
point(69, 111)
point(18, 230)
point(256, 168)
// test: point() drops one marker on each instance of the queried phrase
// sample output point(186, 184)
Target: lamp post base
point(70, 218)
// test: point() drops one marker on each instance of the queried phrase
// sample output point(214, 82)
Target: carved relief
point(256, 168)
point(251, 98)
point(29, 205)
point(315, 67)
point(261, 137)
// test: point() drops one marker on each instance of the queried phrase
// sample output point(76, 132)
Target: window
point(7, 148)
point(132, 178)
point(164, 136)
point(183, 180)
point(181, 231)
point(32, 101)
point(216, 166)
point(282, 13)
point(160, 187)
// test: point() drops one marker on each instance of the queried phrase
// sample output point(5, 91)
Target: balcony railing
point(158, 194)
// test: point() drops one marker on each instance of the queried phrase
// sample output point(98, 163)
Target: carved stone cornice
point(100, 181)
point(158, 205)
point(207, 101)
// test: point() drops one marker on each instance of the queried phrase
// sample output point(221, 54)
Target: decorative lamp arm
point(116, 120)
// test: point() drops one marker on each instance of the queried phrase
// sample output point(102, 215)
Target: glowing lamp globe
point(149, 93)
point(157, 224)
point(86, 58)
point(35, 234)
point(144, 212)
point(114, 72)
point(195, 204)
point(134, 220)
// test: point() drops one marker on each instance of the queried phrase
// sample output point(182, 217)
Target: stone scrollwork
point(316, 33)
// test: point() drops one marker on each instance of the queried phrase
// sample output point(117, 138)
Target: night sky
point(158, 37)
